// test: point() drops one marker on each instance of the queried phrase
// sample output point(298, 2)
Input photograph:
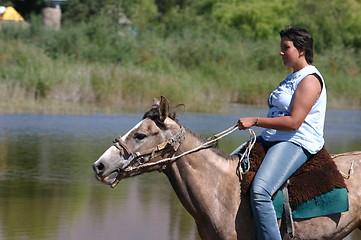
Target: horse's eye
point(140, 136)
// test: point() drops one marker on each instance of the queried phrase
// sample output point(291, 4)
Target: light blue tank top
point(310, 133)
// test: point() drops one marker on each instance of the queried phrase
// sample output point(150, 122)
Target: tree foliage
point(256, 19)
point(333, 23)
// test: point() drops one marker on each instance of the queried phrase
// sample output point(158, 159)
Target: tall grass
point(98, 66)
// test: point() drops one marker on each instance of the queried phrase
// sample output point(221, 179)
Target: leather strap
point(288, 215)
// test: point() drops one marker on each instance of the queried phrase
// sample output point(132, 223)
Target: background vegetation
point(205, 53)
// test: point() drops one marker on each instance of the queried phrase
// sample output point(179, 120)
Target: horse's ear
point(163, 108)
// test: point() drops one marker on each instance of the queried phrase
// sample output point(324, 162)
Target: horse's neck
point(205, 182)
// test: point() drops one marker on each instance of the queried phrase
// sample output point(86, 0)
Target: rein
point(169, 146)
point(136, 161)
point(244, 161)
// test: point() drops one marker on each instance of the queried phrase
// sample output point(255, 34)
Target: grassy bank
point(76, 71)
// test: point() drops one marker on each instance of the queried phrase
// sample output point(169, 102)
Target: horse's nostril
point(98, 167)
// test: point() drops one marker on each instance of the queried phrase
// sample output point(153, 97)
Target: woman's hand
point(247, 122)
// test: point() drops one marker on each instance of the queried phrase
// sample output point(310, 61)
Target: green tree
point(256, 18)
point(333, 23)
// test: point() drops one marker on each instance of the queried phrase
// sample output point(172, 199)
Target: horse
point(206, 182)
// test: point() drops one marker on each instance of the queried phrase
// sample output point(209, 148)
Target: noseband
point(162, 150)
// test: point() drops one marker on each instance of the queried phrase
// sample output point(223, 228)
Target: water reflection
point(48, 191)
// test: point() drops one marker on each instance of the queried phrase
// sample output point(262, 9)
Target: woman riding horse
point(293, 127)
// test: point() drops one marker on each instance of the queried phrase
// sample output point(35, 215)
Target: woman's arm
point(306, 94)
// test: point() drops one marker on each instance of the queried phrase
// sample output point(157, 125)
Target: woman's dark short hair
point(301, 39)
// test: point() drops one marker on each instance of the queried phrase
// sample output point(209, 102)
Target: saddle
point(317, 176)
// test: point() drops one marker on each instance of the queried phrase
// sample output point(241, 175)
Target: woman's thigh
point(281, 161)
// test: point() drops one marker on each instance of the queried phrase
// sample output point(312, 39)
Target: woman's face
point(291, 56)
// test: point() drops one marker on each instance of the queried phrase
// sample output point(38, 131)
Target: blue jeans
point(281, 161)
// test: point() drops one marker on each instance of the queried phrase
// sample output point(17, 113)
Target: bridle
point(163, 150)
point(163, 153)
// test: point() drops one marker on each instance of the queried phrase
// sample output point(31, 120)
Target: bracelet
point(256, 123)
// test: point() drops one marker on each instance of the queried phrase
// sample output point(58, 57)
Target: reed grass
point(74, 70)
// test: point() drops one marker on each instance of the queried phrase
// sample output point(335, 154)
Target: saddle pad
point(334, 201)
point(317, 176)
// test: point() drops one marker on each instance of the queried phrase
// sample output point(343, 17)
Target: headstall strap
point(172, 144)
point(164, 149)
point(176, 140)
point(122, 146)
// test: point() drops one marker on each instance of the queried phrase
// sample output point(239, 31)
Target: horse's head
point(154, 138)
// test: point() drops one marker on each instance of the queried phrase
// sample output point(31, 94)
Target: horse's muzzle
point(108, 179)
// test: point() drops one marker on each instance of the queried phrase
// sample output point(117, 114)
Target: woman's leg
point(281, 161)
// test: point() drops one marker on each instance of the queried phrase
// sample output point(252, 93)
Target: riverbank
point(70, 87)
point(60, 72)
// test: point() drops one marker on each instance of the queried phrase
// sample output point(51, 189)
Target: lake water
point(48, 190)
